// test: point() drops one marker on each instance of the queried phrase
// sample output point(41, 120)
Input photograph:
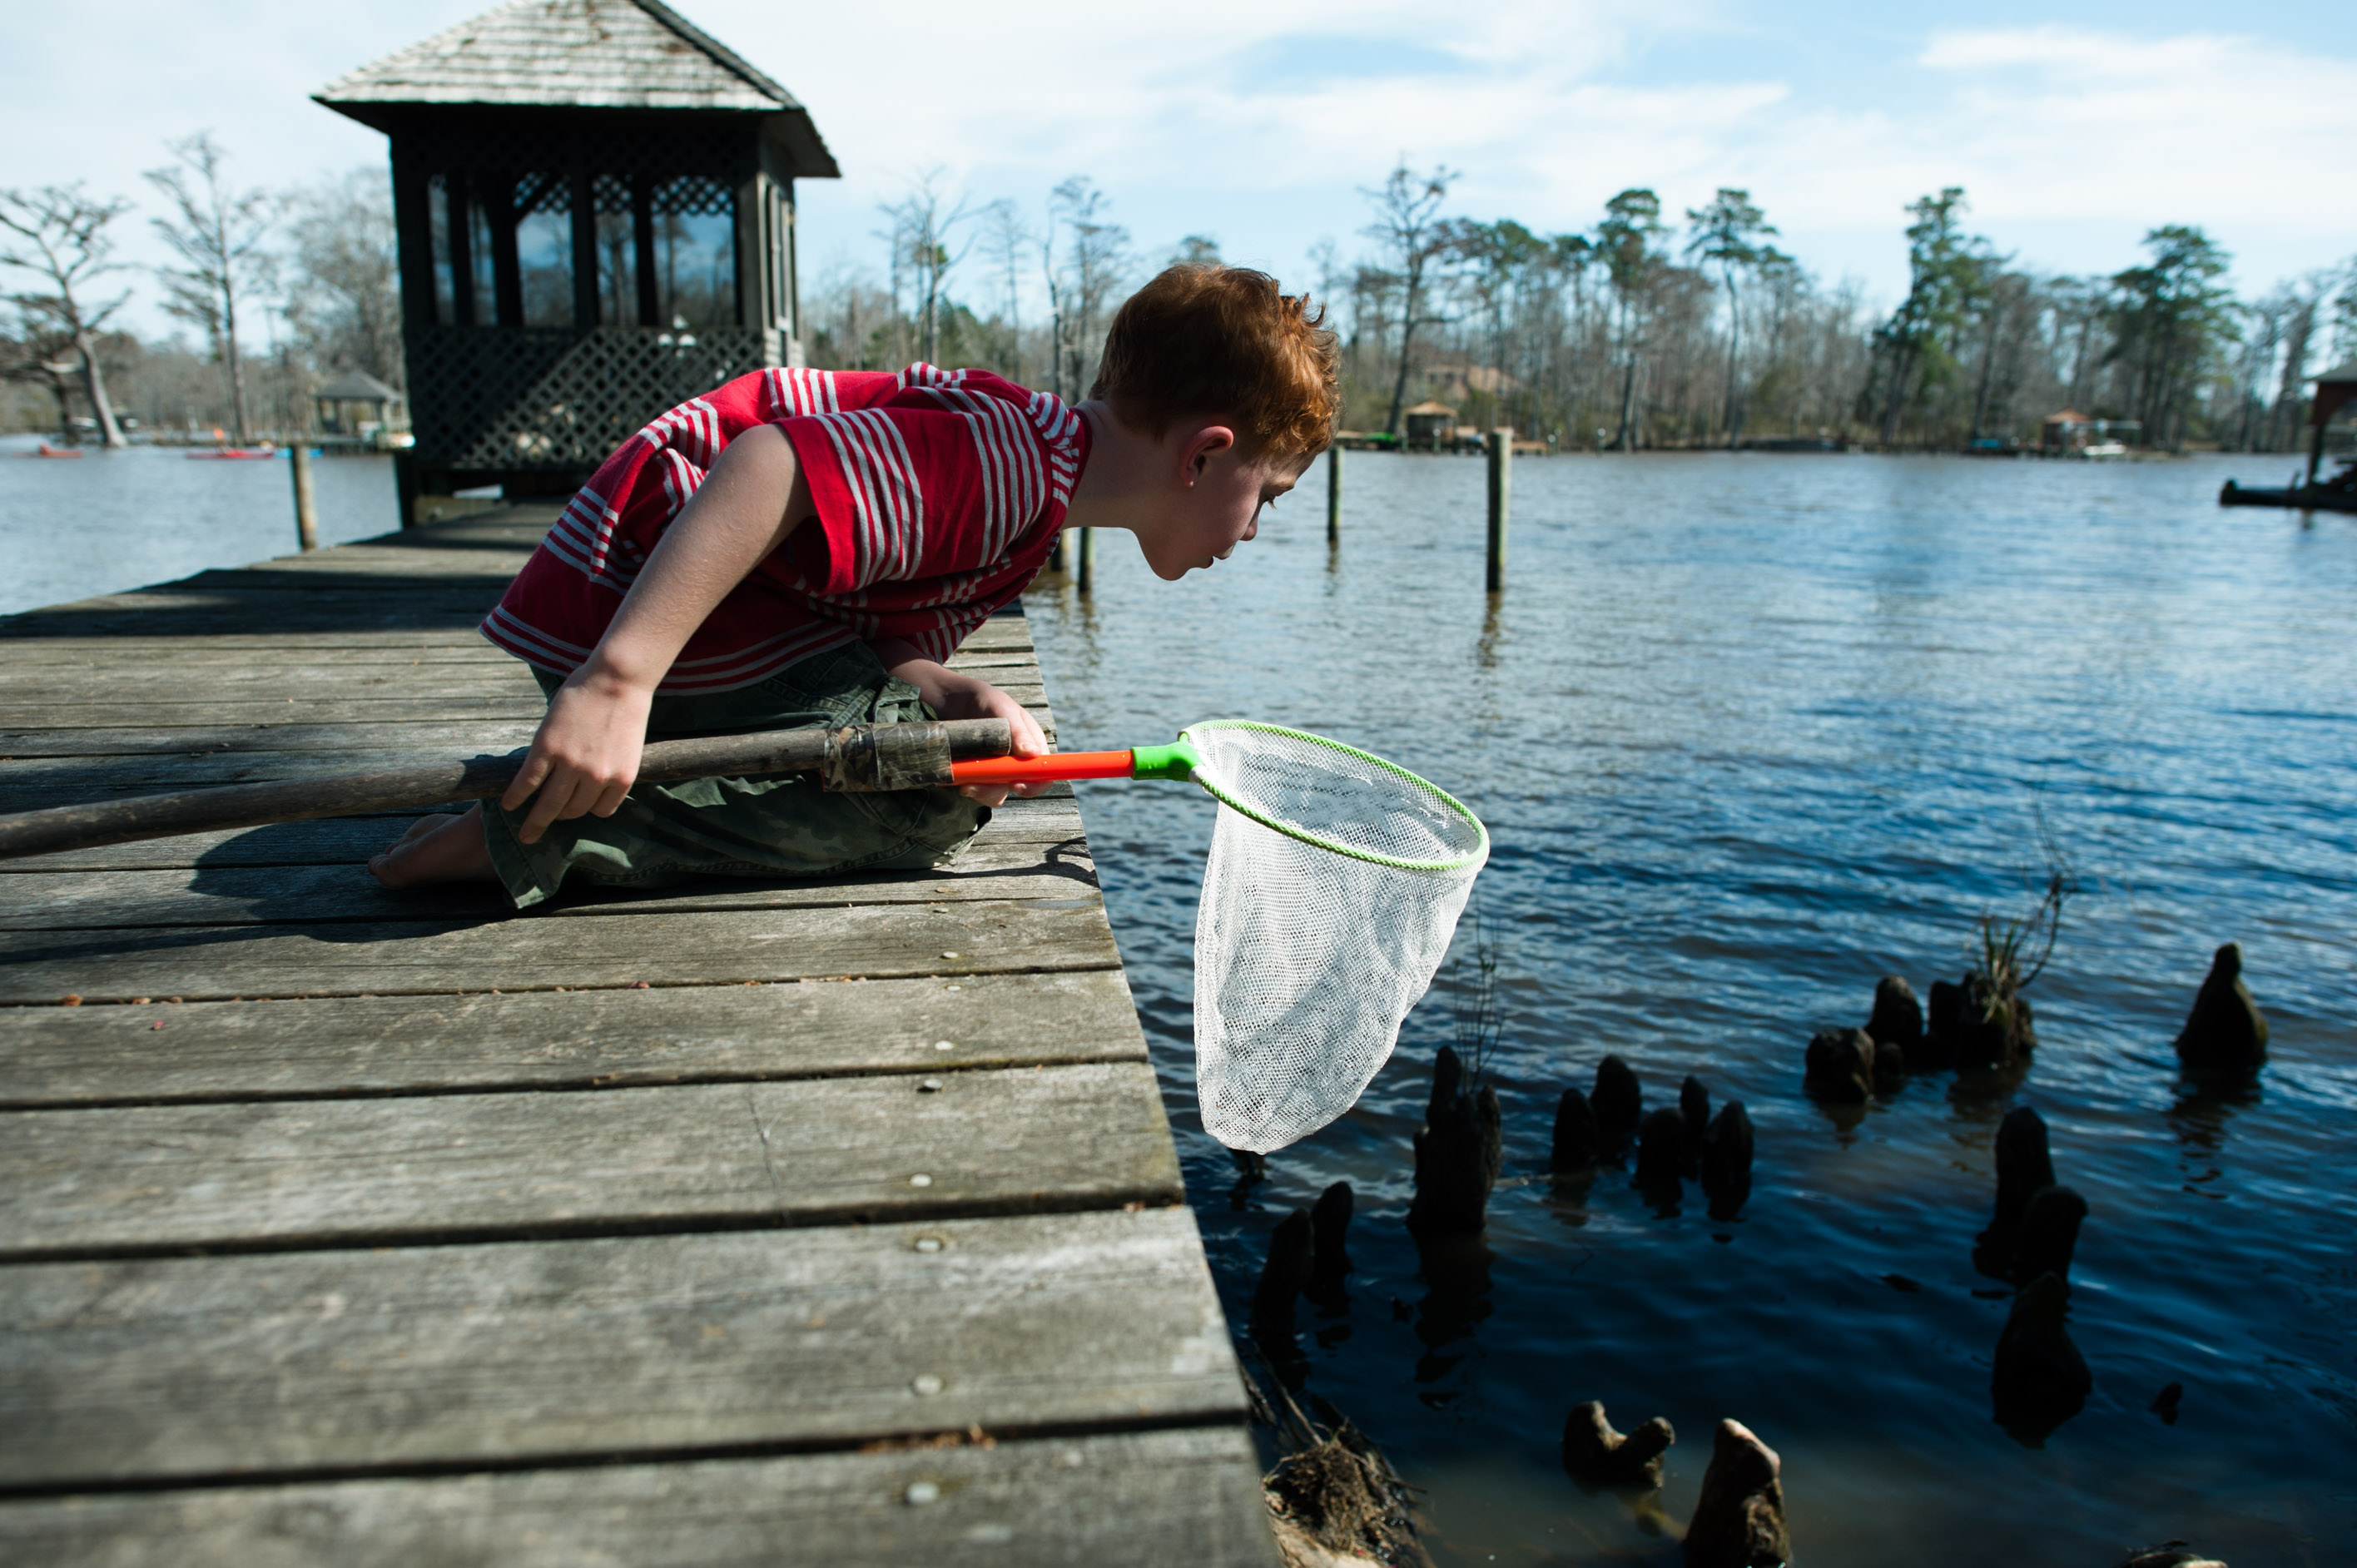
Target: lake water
point(106, 520)
point(1751, 732)
point(1748, 734)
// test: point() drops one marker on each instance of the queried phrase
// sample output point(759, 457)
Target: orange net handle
point(1054, 766)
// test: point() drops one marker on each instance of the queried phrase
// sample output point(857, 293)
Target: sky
point(1260, 123)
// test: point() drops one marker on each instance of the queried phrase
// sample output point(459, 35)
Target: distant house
point(1430, 424)
point(2071, 434)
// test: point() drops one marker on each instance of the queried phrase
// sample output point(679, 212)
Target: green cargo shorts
point(776, 825)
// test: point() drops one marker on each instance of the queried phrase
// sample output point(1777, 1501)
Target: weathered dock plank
point(437, 957)
point(336, 1363)
point(1170, 1498)
point(347, 1045)
point(671, 1226)
point(382, 1172)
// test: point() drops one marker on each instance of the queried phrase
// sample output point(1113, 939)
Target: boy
point(805, 547)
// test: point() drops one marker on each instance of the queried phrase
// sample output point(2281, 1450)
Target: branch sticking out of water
point(1474, 1003)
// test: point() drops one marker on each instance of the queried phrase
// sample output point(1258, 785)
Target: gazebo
point(355, 405)
point(594, 209)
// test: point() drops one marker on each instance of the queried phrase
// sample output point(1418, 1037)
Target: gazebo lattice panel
point(549, 398)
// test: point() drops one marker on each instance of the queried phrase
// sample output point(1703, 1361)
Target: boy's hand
point(586, 755)
point(956, 696)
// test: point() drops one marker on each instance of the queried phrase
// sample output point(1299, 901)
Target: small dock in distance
point(728, 1224)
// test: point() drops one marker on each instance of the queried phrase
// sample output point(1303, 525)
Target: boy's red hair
point(1208, 340)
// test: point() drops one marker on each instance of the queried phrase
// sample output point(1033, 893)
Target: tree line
point(1642, 332)
point(281, 289)
point(1637, 331)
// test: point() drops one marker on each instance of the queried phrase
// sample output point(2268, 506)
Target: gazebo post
point(498, 192)
point(585, 250)
point(642, 230)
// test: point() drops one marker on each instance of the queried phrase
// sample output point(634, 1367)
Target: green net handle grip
point(1177, 762)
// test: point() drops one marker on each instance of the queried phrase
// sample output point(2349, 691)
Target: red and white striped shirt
point(939, 496)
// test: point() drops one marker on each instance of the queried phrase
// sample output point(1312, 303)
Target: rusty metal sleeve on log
point(909, 760)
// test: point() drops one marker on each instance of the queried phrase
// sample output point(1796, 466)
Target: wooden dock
point(731, 1224)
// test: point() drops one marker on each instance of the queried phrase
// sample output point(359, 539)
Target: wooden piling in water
point(1501, 445)
point(1334, 495)
point(307, 504)
point(1088, 553)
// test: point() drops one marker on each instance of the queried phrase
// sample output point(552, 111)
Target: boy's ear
point(1196, 448)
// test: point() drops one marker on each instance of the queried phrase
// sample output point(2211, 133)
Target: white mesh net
point(1321, 924)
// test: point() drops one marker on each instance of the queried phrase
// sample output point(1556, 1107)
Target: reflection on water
point(105, 521)
point(1750, 732)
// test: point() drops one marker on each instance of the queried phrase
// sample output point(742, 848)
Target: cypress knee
point(2225, 1033)
point(1618, 1101)
point(1577, 1142)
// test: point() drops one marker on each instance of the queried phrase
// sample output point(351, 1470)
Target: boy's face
point(1215, 502)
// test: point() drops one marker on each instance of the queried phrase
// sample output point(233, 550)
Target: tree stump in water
point(1839, 1066)
point(2024, 1166)
point(1662, 1150)
point(1693, 1104)
point(2048, 1235)
point(2039, 1380)
point(1283, 1275)
point(1618, 1101)
point(1458, 1151)
point(1974, 1025)
point(1594, 1453)
point(2225, 1033)
point(1898, 1018)
point(1738, 1522)
point(1726, 1160)
point(1576, 1141)
point(1329, 1223)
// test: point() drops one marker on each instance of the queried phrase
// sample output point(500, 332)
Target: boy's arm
point(586, 755)
point(956, 696)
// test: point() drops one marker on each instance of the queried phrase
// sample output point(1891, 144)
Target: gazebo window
point(695, 254)
point(544, 250)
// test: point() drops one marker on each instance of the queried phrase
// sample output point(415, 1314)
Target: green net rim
point(1473, 856)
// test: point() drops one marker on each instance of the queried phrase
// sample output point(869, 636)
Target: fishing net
point(1334, 885)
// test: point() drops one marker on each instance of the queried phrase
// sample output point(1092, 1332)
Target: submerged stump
point(1726, 1160)
point(1578, 1141)
point(1458, 1151)
point(1618, 1101)
point(2039, 1380)
point(1738, 1522)
point(1595, 1454)
point(2225, 1033)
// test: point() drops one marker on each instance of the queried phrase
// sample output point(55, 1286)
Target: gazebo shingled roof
point(579, 54)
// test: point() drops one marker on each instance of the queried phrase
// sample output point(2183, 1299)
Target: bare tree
point(1008, 239)
point(1408, 228)
point(217, 235)
point(921, 252)
point(345, 298)
point(58, 235)
point(1091, 270)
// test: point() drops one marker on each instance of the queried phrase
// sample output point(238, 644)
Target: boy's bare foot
point(440, 848)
